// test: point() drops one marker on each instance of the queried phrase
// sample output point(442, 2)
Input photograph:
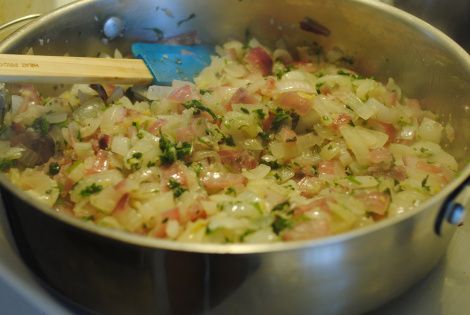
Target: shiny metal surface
point(111, 272)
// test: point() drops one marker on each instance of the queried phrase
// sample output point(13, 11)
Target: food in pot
point(263, 147)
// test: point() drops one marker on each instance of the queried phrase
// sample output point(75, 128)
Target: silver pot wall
point(112, 272)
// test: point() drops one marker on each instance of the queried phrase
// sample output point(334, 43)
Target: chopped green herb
point(204, 91)
point(295, 119)
point(228, 140)
point(315, 170)
point(231, 191)
point(279, 69)
point(199, 106)
point(318, 87)
point(183, 150)
point(244, 110)
point(176, 187)
point(260, 113)
point(264, 136)
point(5, 164)
point(90, 190)
point(280, 224)
point(54, 169)
point(168, 155)
point(41, 125)
point(274, 165)
point(135, 161)
point(88, 218)
point(283, 206)
point(280, 116)
point(425, 185)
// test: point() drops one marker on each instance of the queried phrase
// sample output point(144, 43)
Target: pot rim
point(242, 248)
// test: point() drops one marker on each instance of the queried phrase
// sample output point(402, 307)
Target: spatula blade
point(173, 62)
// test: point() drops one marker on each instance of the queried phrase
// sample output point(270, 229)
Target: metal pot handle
point(19, 20)
point(454, 208)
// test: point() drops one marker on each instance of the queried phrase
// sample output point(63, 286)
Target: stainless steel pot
point(112, 272)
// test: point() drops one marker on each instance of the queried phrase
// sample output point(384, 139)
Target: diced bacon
point(398, 173)
point(376, 202)
point(308, 186)
point(413, 103)
point(155, 126)
point(184, 134)
point(380, 155)
point(331, 167)
point(176, 171)
point(259, 60)
point(216, 181)
point(321, 204)
point(269, 88)
point(172, 214)
point(308, 230)
point(268, 121)
point(295, 102)
point(68, 185)
point(122, 204)
point(104, 141)
point(242, 96)
point(196, 212)
point(340, 120)
point(236, 160)
point(287, 135)
point(181, 94)
point(428, 168)
point(160, 231)
point(195, 129)
point(101, 163)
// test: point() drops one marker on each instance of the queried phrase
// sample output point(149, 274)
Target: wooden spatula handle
point(66, 70)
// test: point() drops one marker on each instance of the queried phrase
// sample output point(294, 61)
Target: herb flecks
point(176, 187)
point(91, 190)
point(200, 107)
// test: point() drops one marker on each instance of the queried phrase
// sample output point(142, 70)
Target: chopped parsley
point(176, 187)
point(5, 164)
point(204, 91)
point(41, 125)
point(280, 224)
point(54, 169)
point(90, 190)
point(231, 191)
point(274, 165)
point(228, 140)
point(279, 69)
point(172, 152)
point(280, 117)
point(200, 107)
point(318, 87)
point(425, 185)
point(283, 206)
point(244, 110)
point(135, 161)
point(259, 113)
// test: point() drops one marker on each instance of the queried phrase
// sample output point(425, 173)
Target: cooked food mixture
point(263, 147)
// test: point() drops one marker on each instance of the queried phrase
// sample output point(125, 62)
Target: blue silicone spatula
point(155, 63)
